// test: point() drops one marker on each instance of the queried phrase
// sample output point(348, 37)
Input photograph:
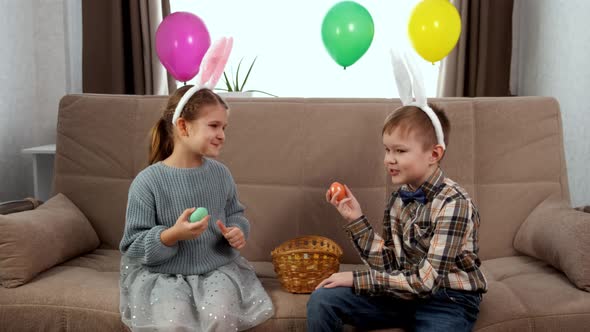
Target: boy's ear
point(437, 153)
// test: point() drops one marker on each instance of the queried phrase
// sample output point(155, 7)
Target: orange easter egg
point(334, 187)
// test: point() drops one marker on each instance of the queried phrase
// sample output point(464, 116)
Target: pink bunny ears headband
point(211, 69)
point(409, 79)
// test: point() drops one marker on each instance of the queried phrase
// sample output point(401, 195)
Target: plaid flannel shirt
point(423, 247)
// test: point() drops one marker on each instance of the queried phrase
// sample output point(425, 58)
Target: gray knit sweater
point(158, 196)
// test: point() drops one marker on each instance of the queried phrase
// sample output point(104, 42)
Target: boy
point(423, 272)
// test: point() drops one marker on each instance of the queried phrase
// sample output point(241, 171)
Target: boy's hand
point(233, 235)
point(183, 229)
point(340, 279)
point(349, 207)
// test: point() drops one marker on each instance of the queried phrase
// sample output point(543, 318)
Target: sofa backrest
point(285, 152)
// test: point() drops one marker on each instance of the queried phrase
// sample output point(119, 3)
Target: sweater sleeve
point(234, 210)
point(141, 238)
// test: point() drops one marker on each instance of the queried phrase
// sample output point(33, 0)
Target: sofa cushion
point(558, 235)
point(36, 240)
point(524, 293)
point(65, 298)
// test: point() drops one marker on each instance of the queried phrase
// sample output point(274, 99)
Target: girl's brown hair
point(162, 132)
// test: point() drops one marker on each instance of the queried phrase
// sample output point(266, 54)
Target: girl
point(183, 276)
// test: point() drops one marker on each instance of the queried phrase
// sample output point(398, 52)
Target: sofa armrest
point(558, 235)
point(26, 204)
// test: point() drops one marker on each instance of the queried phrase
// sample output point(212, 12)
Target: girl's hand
point(349, 207)
point(340, 279)
point(233, 235)
point(184, 229)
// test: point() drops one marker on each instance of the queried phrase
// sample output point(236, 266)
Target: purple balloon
point(181, 42)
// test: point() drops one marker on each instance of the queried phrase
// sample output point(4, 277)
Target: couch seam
point(64, 320)
point(107, 312)
point(57, 306)
point(72, 139)
point(561, 274)
point(533, 317)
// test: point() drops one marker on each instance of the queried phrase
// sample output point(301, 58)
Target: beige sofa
point(284, 153)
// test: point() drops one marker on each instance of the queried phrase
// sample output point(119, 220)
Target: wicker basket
point(302, 263)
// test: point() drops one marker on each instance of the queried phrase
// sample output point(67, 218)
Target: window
point(292, 60)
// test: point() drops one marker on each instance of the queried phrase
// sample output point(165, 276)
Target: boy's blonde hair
point(411, 119)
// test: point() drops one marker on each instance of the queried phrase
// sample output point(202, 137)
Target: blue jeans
point(328, 309)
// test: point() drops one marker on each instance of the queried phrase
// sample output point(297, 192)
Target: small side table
point(43, 157)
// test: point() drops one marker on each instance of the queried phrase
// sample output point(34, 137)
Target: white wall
point(553, 60)
point(32, 80)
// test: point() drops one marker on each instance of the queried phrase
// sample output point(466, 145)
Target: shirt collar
point(432, 185)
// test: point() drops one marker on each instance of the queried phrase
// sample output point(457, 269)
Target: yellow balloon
point(434, 29)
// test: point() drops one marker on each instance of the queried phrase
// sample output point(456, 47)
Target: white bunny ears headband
point(409, 79)
point(211, 69)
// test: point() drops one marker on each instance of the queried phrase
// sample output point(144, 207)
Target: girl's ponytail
point(162, 142)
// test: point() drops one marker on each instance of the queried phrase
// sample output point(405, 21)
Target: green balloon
point(347, 32)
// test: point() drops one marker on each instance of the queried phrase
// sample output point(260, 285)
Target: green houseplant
point(235, 85)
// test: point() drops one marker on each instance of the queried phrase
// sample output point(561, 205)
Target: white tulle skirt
point(229, 298)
